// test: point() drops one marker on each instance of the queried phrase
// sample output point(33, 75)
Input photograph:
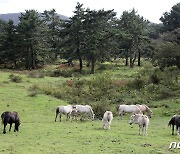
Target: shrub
point(34, 90)
point(100, 108)
point(154, 78)
point(100, 86)
point(103, 67)
point(137, 83)
point(15, 78)
point(63, 73)
point(36, 75)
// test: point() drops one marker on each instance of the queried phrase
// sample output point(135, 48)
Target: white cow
point(107, 119)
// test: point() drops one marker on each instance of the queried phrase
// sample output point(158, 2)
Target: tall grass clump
point(15, 78)
point(36, 75)
point(63, 73)
point(34, 91)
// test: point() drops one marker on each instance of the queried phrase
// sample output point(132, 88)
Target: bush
point(63, 73)
point(36, 75)
point(154, 78)
point(34, 91)
point(137, 83)
point(100, 86)
point(15, 78)
point(100, 108)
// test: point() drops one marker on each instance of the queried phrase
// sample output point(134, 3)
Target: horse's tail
point(2, 117)
point(117, 108)
point(57, 112)
point(172, 121)
point(92, 112)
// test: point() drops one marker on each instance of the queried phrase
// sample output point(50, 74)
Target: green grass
point(40, 134)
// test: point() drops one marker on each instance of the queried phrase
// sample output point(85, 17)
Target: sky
point(151, 10)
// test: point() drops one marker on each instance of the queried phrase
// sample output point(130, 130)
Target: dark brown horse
point(175, 120)
point(10, 118)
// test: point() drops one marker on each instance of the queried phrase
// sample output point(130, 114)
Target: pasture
point(40, 134)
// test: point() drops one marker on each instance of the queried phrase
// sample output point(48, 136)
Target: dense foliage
point(89, 36)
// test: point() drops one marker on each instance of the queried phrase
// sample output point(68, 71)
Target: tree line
point(89, 36)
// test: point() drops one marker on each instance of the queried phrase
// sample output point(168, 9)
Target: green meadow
point(40, 134)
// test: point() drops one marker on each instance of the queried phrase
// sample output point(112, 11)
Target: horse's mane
point(148, 109)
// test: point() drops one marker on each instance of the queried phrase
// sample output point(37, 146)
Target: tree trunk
point(131, 60)
point(32, 58)
point(127, 59)
point(27, 58)
point(80, 64)
point(15, 64)
point(93, 61)
point(139, 58)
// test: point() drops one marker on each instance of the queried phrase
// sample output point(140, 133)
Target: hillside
point(15, 17)
point(32, 97)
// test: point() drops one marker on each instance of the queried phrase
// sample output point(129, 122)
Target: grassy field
point(40, 134)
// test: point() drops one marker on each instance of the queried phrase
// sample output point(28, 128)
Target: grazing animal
point(144, 108)
point(127, 108)
point(107, 119)
point(142, 121)
point(66, 110)
point(85, 110)
point(175, 120)
point(10, 118)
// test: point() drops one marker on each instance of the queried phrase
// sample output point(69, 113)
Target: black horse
point(175, 120)
point(10, 117)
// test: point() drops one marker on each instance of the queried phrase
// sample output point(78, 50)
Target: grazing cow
point(10, 118)
point(66, 110)
point(144, 108)
point(175, 120)
point(127, 108)
point(142, 121)
point(85, 110)
point(107, 119)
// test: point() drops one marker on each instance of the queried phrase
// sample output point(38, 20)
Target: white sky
point(149, 9)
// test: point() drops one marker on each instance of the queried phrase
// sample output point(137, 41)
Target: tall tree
point(167, 49)
point(134, 29)
point(171, 20)
point(53, 22)
point(98, 31)
point(10, 43)
point(2, 39)
point(73, 34)
point(30, 31)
